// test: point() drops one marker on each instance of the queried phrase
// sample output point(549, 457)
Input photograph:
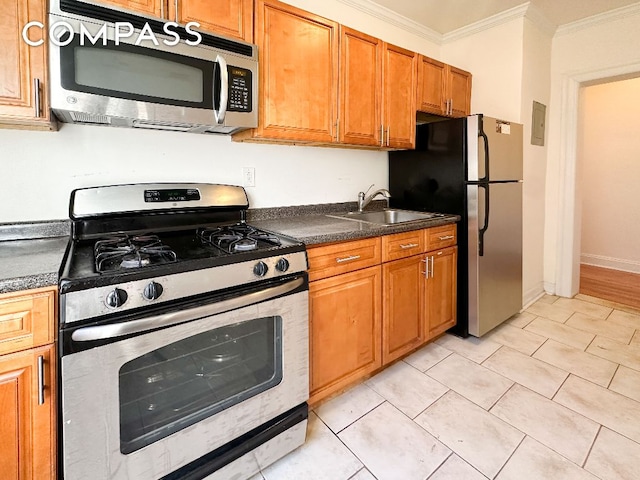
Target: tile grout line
point(612, 377)
point(512, 454)
point(586, 458)
point(443, 462)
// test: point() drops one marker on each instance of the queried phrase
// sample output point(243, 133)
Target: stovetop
point(124, 257)
point(146, 247)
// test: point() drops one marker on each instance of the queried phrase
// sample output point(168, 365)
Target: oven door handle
point(105, 332)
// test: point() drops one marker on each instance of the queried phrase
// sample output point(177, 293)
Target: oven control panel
point(95, 302)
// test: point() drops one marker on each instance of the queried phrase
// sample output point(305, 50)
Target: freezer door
point(495, 254)
point(503, 142)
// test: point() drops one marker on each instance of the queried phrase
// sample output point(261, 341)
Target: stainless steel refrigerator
point(471, 167)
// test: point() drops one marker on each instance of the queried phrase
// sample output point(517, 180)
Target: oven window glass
point(185, 382)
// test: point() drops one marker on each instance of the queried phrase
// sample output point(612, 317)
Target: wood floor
point(613, 285)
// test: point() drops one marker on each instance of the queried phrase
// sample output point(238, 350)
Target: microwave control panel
point(240, 82)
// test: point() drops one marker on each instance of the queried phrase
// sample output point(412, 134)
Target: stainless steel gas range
point(183, 336)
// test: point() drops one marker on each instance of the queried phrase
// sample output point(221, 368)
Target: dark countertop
point(316, 229)
point(34, 263)
point(31, 253)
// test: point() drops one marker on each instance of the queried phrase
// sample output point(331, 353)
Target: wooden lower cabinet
point(345, 314)
point(441, 292)
point(375, 300)
point(27, 428)
point(403, 300)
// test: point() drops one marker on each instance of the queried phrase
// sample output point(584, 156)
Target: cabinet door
point(431, 86)
point(233, 18)
point(459, 92)
point(360, 88)
point(345, 317)
point(154, 8)
point(23, 67)
point(298, 55)
point(403, 324)
point(27, 427)
point(399, 97)
point(441, 291)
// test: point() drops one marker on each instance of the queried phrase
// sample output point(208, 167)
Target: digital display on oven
point(172, 195)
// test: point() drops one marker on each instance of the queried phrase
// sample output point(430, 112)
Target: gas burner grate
point(237, 238)
point(125, 252)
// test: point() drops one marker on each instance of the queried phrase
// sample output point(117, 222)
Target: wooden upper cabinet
point(443, 89)
point(399, 110)
point(298, 54)
point(459, 92)
point(360, 88)
point(432, 78)
point(233, 18)
point(23, 70)
point(154, 8)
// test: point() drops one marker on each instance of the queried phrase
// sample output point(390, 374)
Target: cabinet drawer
point(441, 237)
point(401, 245)
point(329, 260)
point(26, 319)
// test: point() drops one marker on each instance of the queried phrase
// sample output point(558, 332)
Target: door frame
point(569, 219)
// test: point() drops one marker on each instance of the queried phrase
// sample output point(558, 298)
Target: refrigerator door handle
point(485, 223)
point(485, 139)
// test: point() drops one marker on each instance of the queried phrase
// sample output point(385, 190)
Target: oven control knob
point(260, 269)
point(152, 291)
point(116, 298)
point(282, 265)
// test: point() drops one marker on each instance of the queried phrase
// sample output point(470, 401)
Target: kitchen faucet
point(363, 200)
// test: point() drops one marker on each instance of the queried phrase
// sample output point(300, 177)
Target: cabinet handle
point(427, 273)
point(176, 5)
point(347, 259)
point(36, 96)
point(388, 129)
point(451, 107)
point(40, 380)
point(446, 237)
point(337, 131)
point(162, 8)
point(433, 266)
point(381, 135)
point(409, 245)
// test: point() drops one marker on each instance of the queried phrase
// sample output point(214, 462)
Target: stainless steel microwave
point(110, 67)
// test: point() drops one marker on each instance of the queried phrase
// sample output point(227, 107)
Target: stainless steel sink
point(388, 216)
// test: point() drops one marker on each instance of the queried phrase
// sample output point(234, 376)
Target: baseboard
point(550, 288)
point(610, 262)
point(532, 295)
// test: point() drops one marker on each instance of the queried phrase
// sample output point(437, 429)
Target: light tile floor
point(554, 393)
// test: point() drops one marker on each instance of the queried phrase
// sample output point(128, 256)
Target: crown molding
point(393, 18)
point(535, 15)
point(487, 23)
point(602, 18)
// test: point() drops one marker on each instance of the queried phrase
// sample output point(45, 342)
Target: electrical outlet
point(248, 176)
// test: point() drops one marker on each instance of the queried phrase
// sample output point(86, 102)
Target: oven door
point(143, 397)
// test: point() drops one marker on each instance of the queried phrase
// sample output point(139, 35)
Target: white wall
point(597, 51)
point(609, 156)
point(48, 165)
point(536, 85)
point(494, 58)
point(39, 169)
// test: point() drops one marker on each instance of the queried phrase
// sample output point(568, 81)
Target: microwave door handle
point(224, 90)
point(105, 332)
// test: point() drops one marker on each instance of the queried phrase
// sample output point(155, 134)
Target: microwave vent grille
point(90, 118)
point(162, 125)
